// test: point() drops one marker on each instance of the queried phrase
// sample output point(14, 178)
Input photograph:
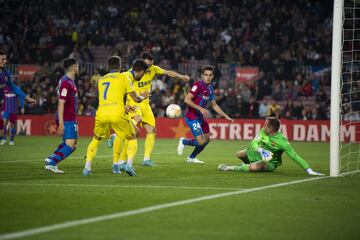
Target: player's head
point(147, 57)
point(114, 63)
point(2, 58)
point(139, 68)
point(207, 74)
point(272, 125)
point(71, 66)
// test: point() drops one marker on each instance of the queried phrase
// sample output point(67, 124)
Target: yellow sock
point(124, 151)
point(91, 152)
point(117, 147)
point(132, 149)
point(149, 145)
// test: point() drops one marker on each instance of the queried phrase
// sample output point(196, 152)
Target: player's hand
point(313, 173)
point(229, 118)
point(30, 100)
point(265, 154)
point(145, 94)
point(186, 78)
point(204, 112)
point(60, 130)
point(129, 108)
point(22, 110)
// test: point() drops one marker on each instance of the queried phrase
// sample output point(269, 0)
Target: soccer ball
point(173, 111)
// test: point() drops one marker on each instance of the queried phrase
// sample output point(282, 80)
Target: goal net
point(347, 98)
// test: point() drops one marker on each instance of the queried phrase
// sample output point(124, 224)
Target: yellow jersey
point(144, 84)
point(113, 88)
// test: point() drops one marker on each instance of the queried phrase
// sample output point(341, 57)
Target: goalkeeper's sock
point(242, 168)
point(132, 149)
point(149, 145)
point(190, 142)
point(91, 152)
point(61, 154)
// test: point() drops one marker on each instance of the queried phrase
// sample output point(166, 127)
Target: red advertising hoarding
point(246, 74)
point(26, 72)
point(309, 131)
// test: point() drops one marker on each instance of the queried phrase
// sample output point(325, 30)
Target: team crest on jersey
point(64, 92)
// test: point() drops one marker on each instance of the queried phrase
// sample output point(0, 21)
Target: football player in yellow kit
point(111, 113)
point(143, 114)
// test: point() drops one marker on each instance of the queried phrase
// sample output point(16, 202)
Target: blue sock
point(12, 134)
point(197, 151)
point(190, 142)
point(61, 155)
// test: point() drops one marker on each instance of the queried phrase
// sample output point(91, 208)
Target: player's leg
point(242, 156)
point(65, 149)
point(13, 120)
point(148, 121)
point(200, 148)
point(5, 118)
point(123, 129)
point(255, 164)
point(101, 130)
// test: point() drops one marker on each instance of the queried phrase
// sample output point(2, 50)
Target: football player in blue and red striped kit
point(5, 80)
point(66, 116)
point(200, 95)
point(9, 111)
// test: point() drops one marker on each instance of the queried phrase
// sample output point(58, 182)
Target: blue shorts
point(10, 116)
point(198, 126)
point(70, 130)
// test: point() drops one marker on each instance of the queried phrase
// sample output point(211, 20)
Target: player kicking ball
point(265, 151)
point(197, 99)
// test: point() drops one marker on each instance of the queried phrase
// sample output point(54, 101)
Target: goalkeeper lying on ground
point(265, 150)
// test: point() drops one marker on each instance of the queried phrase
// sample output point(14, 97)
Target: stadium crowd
point(276, 36)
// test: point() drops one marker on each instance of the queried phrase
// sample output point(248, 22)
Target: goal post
point(335, 112)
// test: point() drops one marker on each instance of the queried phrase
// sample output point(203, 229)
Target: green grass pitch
point(30, 197)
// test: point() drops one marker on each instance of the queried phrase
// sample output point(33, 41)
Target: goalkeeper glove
point(265, 154)
point(312, 173)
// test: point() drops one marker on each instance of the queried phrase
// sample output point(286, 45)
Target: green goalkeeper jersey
point(277, 144)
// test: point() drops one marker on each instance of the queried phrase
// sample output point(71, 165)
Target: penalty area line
point(74, 223)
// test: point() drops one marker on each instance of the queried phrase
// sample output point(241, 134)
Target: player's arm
point(15, 89)
point(170, 73)
point(139, 98)
point(189, 101)
point(217, 109)
point(61, 106)
point(176, 75)
point(266, 155)
point(22, 105)
point(299, 160)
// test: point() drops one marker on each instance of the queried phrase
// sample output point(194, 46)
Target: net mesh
point(350, 88)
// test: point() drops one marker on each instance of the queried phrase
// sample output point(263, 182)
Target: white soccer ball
point(173, 111)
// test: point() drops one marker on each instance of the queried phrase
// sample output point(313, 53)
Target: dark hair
point(2, 52)
point(207, 68)
point(139, 65)
point(68, 63)
point(146, 55)
point(114, 63)
point(274, 123)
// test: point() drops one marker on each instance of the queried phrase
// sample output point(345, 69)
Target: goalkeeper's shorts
point(254, 156)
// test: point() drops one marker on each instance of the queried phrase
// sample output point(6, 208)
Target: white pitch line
point(82, 157)
point(80, 222)
point(116, 186)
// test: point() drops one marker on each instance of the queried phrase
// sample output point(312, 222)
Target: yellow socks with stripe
point(149, 145)
point(117, 147)
point(132, 149)
point(124, 151)
point(91, 152)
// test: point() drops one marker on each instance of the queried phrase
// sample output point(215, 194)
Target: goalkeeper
point(265, 150)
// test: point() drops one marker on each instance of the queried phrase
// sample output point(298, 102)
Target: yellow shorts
point(145, 112)
point(121, 126)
